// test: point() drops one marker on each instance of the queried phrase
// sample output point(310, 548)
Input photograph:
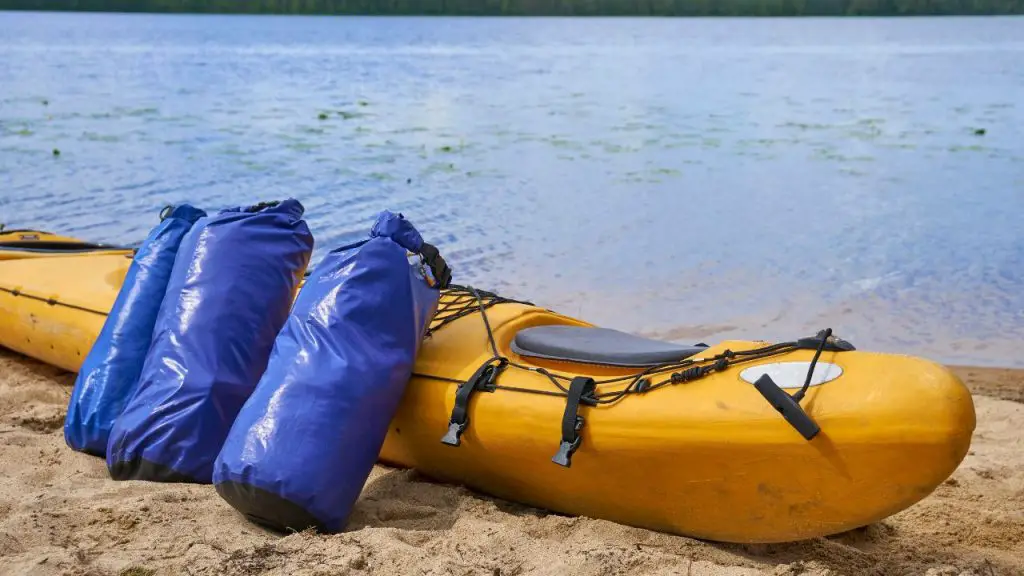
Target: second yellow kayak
point(16, 244)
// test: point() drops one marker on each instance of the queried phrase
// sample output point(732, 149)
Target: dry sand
point(61, 514)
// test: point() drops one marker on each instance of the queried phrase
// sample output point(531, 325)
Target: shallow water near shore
point(685, 179)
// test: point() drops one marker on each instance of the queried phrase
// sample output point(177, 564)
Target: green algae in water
point(440, 167)
point(302, 146)
point(666, 172)
point(322, 116)
point(256, 166)
point(829, 154)
point(613, 148)
point(135, 112)
point(560, 142)
point(806, 125)
point(410, 130)
point(95, 137)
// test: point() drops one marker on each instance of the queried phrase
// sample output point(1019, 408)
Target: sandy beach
point(61, 514)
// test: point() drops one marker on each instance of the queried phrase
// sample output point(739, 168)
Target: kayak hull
point(52, 309)
point(709, 458)
point(18, 244)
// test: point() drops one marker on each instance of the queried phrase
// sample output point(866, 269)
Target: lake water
point(688, 179)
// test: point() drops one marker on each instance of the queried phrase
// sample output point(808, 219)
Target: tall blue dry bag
point(229, 294)
point(306, 440)
point(111, 369)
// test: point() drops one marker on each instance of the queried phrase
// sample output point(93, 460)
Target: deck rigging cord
point(466, 300)
point(460, 301)
point(680, 372)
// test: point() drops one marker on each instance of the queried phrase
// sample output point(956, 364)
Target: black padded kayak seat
point(598, 346)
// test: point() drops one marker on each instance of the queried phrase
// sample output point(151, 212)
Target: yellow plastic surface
point(709, 458)
point(40, 244)
point(58, 334)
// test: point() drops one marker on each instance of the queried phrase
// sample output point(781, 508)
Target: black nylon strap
point(442, 273)
point(482, 379)
point(581, 390)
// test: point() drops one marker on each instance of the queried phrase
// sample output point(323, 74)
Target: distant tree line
point(542, 7)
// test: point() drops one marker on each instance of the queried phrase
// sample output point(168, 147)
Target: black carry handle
point(787, 406)
point(442, 273)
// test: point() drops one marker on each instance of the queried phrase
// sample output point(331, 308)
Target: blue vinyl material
point(306, 440)
point(111, 369)
point(229, 294)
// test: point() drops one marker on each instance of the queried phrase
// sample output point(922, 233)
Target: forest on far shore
point(541, 7)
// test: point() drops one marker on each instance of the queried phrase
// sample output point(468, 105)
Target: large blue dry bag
point(306, 440)
point(111, 369)
point(229, 294)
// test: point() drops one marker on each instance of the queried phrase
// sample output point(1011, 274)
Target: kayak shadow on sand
point(38, 369)
point(408, 500)
point(861, 548)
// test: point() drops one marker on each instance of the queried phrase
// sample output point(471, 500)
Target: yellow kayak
point(15, 244)
point(536, 407)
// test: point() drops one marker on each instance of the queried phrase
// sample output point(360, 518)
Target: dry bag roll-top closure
point(227, 296)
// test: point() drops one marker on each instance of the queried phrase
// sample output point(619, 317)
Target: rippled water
point(690, 179)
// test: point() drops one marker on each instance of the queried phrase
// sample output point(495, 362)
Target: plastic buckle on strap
point(581, 389)
point(483, 379)
point(455, 430)
point(438, 267)
point(566, 449)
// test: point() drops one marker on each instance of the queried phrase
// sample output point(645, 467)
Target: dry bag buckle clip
point(439, 270)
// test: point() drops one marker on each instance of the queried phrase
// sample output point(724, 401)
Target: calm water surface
point(689, 179)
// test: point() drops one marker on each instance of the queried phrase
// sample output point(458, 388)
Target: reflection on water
point(685, 179)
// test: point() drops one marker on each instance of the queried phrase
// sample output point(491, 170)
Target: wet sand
point(61, 514)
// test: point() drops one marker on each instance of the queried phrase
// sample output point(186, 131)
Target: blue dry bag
point(306, 440)
point(229, 294)
point(111, 369)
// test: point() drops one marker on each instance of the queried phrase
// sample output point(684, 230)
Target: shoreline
point(1001, 383)
point(60, 513)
